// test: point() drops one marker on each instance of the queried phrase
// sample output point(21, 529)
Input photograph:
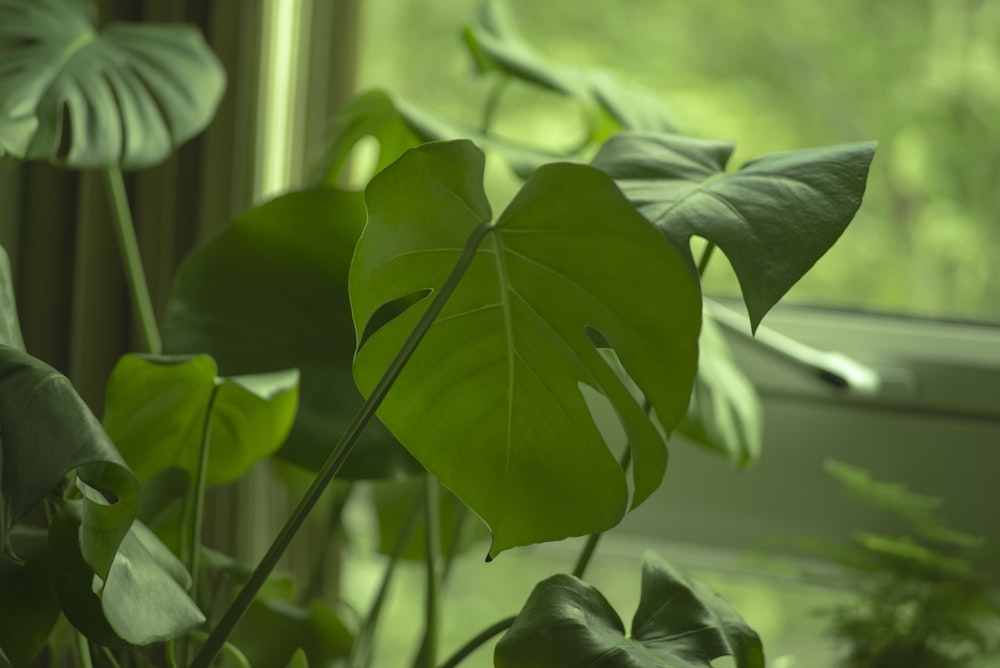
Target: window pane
point(920, 76)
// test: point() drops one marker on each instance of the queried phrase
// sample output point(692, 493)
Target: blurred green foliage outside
point(920, 76)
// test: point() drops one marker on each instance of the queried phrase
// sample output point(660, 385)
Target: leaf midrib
point(505, 300)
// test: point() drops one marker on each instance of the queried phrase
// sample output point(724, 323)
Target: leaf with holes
point(49, 432)
point(126, 96)
point(773, 218)
point(680, 623)
point(492, 401)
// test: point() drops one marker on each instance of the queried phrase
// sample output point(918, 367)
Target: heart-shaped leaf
point(774, 218)
point(491, 401)
point(270, 293)
point(680, 623)
point(48, 432)
point(28, 604)
point(725, 414)
point(126, 96)
point(143, 598)
point(157, 406)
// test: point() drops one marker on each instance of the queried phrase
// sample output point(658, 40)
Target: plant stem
point(492, 104)
point(593, 539)
point(82, 652)
point(337, 456)
point(361, 651)
point(706, 255)
point(128, 249)
point(317, 577)
point(427, 655)
point(480, 639)
point(195, 507)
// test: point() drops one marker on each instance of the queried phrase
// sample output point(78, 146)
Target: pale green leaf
point(125, 96)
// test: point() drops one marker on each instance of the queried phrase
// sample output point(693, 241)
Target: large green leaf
point(141, 600)
point(48, 432)
point(28, 604)
point(774, 217)
point(270, 293)
point(126, 96)
point(680, 623)
point(492, 400)
point(725, 414)
point(157, 406)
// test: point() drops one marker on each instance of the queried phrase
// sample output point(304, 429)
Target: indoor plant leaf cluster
point(481, 340)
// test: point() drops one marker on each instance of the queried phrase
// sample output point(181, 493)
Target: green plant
point(923, 598)
point(486, 344)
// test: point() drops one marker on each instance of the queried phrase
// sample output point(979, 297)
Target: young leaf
point(143, 598)
point(491, 401)
point(28, 604)
point(156, 409)
point(774, 218)
point(680, 623)
point(48, 432)
point(270, 293)
point(127, 96)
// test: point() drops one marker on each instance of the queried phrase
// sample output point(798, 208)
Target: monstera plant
point(485, 335)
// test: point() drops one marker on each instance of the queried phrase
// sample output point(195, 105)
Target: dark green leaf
point(270, 293)
point(725, 414)
point(126, 96)
point(156, 409)
point(680, 623)
point(774, 218)
point(48, 432)
point(491, 402)
point(142, 600)
point(28, 604)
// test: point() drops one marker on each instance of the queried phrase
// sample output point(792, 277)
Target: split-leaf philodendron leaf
point(680, 623)
point(126, 96)
point(773, 218)
point(48, 432)
point(157, 406)
point(491, 401)
point(141, 600)
point(28, 604)
point(270, 293)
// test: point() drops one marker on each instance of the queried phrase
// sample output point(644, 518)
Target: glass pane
point(920, 76)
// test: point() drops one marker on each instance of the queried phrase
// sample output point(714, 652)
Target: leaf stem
point(361, 651)
point(195, 507)
point(593, 539)
point(128, 249)
point(706, 255)
point(427, 655)
point(479, 640)
point(337, 456)
point(317, 577)
point(492, 104)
